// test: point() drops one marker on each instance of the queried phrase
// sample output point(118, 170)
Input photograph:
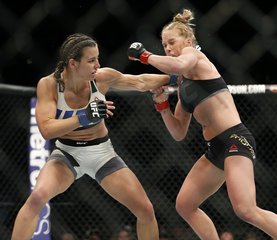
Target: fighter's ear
point(188, 41)
point(72, 63)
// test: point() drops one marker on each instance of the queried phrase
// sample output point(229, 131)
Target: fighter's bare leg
point(203, 180)
point(124, 186)
point(242, 193)
point(54, 178)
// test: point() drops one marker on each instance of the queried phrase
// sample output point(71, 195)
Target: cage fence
point(161, 164)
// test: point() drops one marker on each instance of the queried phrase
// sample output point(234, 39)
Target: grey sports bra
point(192, 92)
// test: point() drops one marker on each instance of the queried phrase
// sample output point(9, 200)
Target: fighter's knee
point(245, 212)
point(146, 212)
point(38, 198)
point(183, 206)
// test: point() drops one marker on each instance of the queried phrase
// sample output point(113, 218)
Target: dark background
point(239, 36)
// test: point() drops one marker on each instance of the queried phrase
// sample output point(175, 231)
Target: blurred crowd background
point(239, 36)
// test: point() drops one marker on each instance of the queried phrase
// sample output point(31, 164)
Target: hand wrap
point(160, 101)
point(162, 106)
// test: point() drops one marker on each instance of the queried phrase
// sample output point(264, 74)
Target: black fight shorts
point(237, 140)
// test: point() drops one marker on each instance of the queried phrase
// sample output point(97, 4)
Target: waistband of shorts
point(82, 143)
point(228, 131)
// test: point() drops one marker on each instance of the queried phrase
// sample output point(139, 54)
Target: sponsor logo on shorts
point(81, 143)
point(245, 143)
point(233, 148)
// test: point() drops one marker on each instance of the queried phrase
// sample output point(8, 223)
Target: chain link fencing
point(239, 36)
point(161, 164)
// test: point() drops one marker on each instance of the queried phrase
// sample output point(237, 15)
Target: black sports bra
point(192, 92)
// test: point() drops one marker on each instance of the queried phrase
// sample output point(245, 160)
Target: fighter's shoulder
point(47, 83)
point(106, 74)
point(192, 54)
point(190, 50)
point(47, 80)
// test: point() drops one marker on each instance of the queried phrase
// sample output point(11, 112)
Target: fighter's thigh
point(124, 186)
point(54, 178)
point(240, 180)
point(202, 181)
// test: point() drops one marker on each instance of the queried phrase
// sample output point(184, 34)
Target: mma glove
point(93, 113)
point(137, 52)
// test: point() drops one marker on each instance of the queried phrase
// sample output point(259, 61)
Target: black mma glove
point(95, 111)
point(137, 52)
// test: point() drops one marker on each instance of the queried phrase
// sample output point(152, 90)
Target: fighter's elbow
point(178, 138)
point(46, 134)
